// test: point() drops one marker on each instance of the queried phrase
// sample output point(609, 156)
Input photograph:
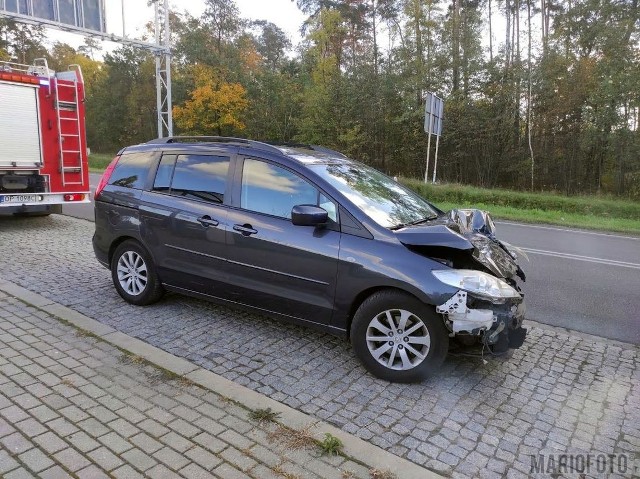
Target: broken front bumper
point(497, 325)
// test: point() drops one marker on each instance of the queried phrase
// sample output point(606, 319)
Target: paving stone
point(264, 455)
point(126, 472)
point(154, 428)
point(171, 458)
point(92, 472)
point(93, 427)
point(139, 459)
point(235, 439)
point(20, 473)
point(238, 459)
point(50, 442)
point(13, 414)
point(225, 471)
point(16, 443)
point(146, 443)
point(55, 472)
point(102, 414)
point(196, 472)
point(7, 463)
point(43, 413)
point(124, 428)
point(203, 458)
point(115, 442)
point(62, 427)
point(209, 442)
point(104, 458)
point(35, 460)
point(161, 471)
point(184, 428)
point(71, 459)
point(176, 442)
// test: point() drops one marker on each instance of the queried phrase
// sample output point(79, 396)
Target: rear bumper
point(101, 255)
point(23, 201)
point(30, 209)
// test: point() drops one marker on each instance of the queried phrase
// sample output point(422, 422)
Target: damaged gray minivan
point(307, 235)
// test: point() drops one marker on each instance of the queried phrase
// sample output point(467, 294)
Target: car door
point(184, 220)
point(274, 265)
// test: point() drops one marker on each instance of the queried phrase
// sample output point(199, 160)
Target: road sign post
point(433, 117)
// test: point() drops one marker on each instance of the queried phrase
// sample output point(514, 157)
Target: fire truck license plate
point(20, 198)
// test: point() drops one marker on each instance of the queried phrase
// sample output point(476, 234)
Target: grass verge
point(581, 212)
point(98, 162)
point(558, 218)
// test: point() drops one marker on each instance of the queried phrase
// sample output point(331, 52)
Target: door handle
point(206, 221)
point(246, 229)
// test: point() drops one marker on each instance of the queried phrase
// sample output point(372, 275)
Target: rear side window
point(131, 170)
point(164, 173)
point(200, 177)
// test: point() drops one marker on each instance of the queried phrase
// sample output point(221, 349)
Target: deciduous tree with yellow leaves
point(214, 106)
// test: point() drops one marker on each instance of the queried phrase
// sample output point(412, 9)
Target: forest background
point(539, 95)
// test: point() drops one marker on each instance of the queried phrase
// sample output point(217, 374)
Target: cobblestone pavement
point(562, 392)
point(74, 406)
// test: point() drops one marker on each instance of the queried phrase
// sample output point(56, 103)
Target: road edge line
point(354, 447)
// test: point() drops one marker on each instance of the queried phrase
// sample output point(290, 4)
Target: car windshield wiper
point(413, 223)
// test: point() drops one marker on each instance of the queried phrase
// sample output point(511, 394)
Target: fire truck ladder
point(71, 165)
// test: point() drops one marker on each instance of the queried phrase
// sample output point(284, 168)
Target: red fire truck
point(43, 149)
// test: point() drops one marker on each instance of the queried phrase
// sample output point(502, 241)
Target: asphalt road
point(580, 280)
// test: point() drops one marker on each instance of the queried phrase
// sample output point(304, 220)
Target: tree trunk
point(455, 40)
point(490, 34)
point(529, 126)
point(417, 13)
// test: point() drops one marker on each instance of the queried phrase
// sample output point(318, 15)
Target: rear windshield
point(383, 200)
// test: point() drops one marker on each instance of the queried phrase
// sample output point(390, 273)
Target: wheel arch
point(121, 239)
point(363, 295)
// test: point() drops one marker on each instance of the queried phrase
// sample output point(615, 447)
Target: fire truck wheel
point(134, 274)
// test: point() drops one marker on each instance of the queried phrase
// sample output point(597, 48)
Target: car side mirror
point(308, 215)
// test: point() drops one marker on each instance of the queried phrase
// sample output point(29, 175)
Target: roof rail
point(320, 149)
point(212, 139)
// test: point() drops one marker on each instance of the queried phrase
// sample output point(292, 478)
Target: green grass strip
point(98, 162)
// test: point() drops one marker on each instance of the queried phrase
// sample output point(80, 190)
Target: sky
point(283, 13)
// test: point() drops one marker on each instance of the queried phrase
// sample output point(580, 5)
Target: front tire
point(134, 274)
point(398, 338)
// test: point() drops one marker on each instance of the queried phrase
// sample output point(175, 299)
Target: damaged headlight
point(477, 283)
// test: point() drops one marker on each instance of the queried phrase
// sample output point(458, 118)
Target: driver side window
point(272, 190)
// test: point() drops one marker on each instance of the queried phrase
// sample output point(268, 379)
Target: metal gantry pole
point(158, 72)
point(167, 62)
point(163, 71)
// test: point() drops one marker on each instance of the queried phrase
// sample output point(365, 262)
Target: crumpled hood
point(471, 230)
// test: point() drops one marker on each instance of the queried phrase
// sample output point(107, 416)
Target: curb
point(354, 447)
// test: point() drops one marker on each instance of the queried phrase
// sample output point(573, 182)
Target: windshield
point(386, 202)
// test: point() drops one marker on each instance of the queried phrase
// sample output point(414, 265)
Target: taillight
point(105, 176)
point(74, 197)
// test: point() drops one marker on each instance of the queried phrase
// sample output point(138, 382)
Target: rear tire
point(134, 274)
point(398, 338)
